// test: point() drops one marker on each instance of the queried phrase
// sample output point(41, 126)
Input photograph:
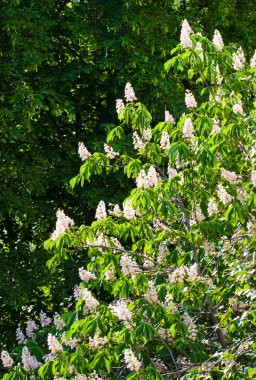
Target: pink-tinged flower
point(83, 151)
point(119, 105)
point(6, 359)
point(129, 93)
point(132, 363)
point(186, 30)
point(190, 100)
point(238, 59)
point(217, 40)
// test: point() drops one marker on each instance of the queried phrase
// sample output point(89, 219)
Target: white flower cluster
point(253, 177)
point(231, 177)
point(20, 336)
point(217, 40)
point(45, 321)
point(49, 357)
point(165, 141)
point(58, 322)
point(168, 117)
point(238, 59)
point(117, 211)
point(110, 152)
point(209, 249)
point(147, 134)
point(120, 310)
point(129, 93)
point(89, 300)
point(92, 376)
point(223, 195)
point(83, 151)
point(253, 60)
point(191, 326)
point(186, 30)
point(171, 172)
point(101, 212)
point(72, 342)
point(62, 224)
point(158, 225)
point(53, 344)
point(212, 207)
point(149, 180)
point(188, 129)
point(97, 341)
point(119, 105)
point(198, 216)
point(137, 142)
point(31, 328)
point(129, 211)
point(238, 108)
point(179, 274)
point(85, 275)
point(190, 100)
point(29, 361)
point(159, 365)
point(132, 363)
point(6, 359)
point(129, 267)
point(109, 275)
point(215, 127)
point(151, 293)
point(162, 252)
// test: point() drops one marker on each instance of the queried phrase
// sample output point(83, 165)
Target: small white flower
point(119, 105)
point(217, 40)
point(101, 212)
point(169, 118)
point(186, 30)
point(188, 129)
point(131, 361)
point(129, 93)
point(190, 100)
point(238, 59)
point(83, 151)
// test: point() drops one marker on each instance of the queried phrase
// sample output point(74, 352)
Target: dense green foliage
point(169, 289)
point(63, 64)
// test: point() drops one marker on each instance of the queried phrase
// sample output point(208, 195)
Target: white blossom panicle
point(53, 344)
point(217, 40)
point(253, 60)
point(190, 100)
point(215, 127)
point(212, 207)
point(121, 311)
point(101, 212)
point(129, 267)
point(162, 252)
point(29, 361)
point(117, 211)
point(229, 176)
point(20, 337)
point(129, 211)
point(253, 177)
point(129, 93)
point(188, 129)
point(63, 223)
point(178, 274)
point(147, 134)
point(89, 300)
point(238, 108)
point(97, 341)
point(151, 293)
point(242, 196)
point(119, 105)
point(223, 195)
point(137, 142)
point(31, 328)
point(85, 275)
point(78, 293)
point(110, 152)
point(109, 275)
point(147, 180)
point(165, 141)
point(83, 151)
point(132, 363)
point(58, 322)
point(92, 376)
point(191, 326)
point(171, 172)
point(49, 357)
point(158, 225)
point(186, 30)
point(7, 360)
point(45, 321)
point(238, 59)
point(198, 216)
point(168, 117)
point(72, 342)
point(209, 249)
point(159, 365)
